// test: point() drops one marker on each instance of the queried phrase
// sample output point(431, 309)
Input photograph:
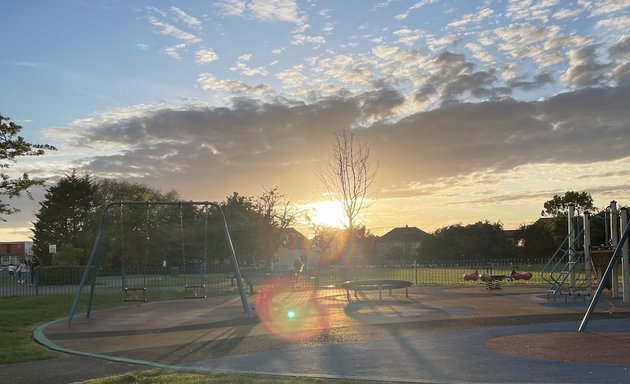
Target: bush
point(68, 256)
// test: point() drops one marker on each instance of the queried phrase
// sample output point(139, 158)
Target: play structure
point(578, 266)
point(580, 269)
point(139, 237)
point(493, 281)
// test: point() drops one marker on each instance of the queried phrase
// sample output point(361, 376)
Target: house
point(407, 239)
point(11, 252)
point(294, 246)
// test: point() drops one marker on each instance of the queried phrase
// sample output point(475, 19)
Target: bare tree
point(348, 175)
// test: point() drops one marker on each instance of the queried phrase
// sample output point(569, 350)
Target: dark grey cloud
point(539, 80)
point(214, 151)
point(586, 69)
point(577, 127)
point(621, 50)
point(455, 78)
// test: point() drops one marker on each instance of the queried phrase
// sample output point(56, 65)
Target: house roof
point(404, 234)
point(293, 239)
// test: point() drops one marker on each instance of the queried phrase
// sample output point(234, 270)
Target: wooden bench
point(366, 285)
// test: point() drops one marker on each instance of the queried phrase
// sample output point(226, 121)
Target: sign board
point(52, 248)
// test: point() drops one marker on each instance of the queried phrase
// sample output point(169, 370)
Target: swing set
point(135, 289)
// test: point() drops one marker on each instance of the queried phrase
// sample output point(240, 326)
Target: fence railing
point(219, 279)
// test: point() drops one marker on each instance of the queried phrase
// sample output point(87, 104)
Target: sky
point(472, 110)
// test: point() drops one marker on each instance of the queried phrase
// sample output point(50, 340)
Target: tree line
point(151, 234)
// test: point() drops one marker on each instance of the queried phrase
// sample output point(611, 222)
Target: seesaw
point(494, 281)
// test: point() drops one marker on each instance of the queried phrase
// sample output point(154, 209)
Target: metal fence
point(219, 279)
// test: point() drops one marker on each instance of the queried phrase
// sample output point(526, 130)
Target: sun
point(327, 213)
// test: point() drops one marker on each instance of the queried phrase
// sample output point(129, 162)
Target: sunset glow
point(326, 213)
point(473, 110)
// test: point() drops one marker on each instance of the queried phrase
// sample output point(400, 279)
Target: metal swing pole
point(204, 265)
point(181, 231)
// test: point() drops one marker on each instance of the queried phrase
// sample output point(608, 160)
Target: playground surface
point(437, 334)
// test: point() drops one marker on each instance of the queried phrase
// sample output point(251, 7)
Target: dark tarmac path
point(437, 334)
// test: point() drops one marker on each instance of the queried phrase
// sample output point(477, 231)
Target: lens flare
point(289, 314)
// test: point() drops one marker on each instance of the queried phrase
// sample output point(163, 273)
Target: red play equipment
point(494, 281)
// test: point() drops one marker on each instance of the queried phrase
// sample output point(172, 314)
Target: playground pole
point(587, 251)
point(602, 281)
point(614, 240)
point(623, 213)
point(571, 229)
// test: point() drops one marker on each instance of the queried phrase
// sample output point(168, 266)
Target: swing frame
point(94, 255)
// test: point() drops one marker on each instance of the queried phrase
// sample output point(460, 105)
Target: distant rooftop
point(404, 234)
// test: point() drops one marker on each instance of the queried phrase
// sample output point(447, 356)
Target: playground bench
point(135, 294)
point(254, 278)
point(195, 291)
point(366, 285)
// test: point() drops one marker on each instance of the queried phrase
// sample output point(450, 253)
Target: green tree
point(559, 205)
point(141, 235)
point(325, 244)
point(243, 219)
point(12, 147)
point(275, 215)
point(535, 240)
point(480, 241)
point(64, 216)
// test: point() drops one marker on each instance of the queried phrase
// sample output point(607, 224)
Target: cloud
point(242, 67)
point(185, 18)
point(566, 13)
point(209, 82)
point(163, 28)
point(276, 10)
point(530, 10)
point(408, 36)
point(205, 56)
point(616, 23)
point(453, 77)
point(300, 39)
point(621, 50)
point(264, 10)
point(232, 7)
point(173, 51)
point(540, 80)
point(584, 68)
point(472, 18)
point(253, 143)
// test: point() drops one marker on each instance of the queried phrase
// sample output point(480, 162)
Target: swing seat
point(195, 291)
point(135, 294)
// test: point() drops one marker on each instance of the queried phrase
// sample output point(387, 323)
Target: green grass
point(21, 315)
point(168, 377)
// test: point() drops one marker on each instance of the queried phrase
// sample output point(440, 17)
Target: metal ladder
point(559, 267)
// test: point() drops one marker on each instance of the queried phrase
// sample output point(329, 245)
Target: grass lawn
point(21, 315)
point(168, 377)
